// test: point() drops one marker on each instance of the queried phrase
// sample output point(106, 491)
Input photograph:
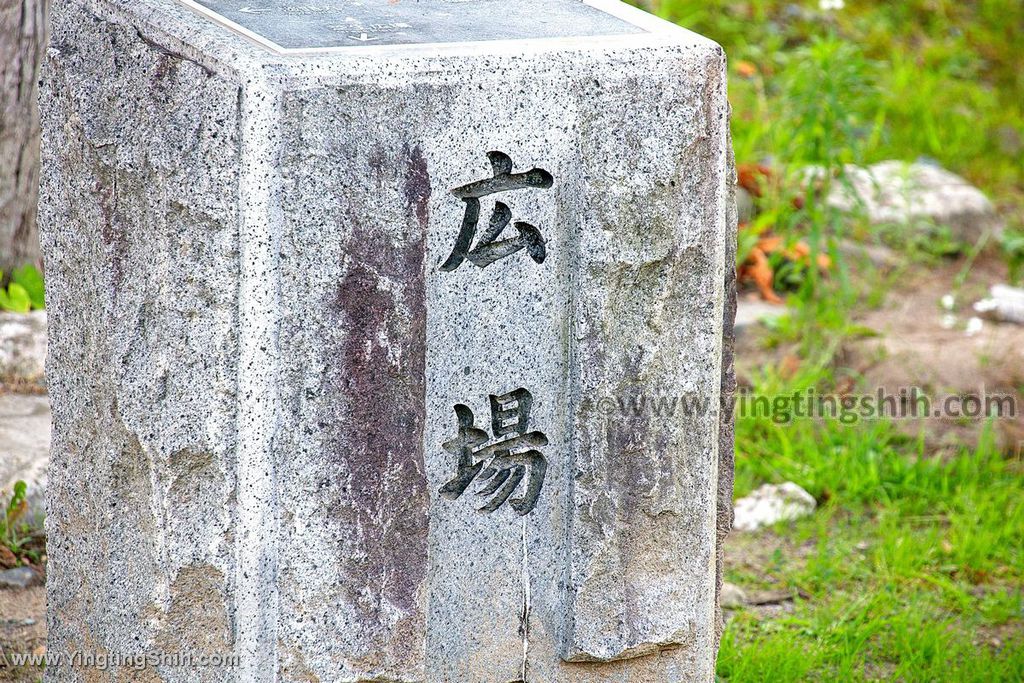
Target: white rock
point(905, 194)
point(772, 503)
point(23, 345)
point(974, 326)
point(1005, 304)
point(878, 255)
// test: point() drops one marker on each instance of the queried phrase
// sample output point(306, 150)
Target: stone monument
point(390, 341)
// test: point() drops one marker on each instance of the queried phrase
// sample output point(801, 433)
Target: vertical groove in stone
point(526, 601)
point(256, 590)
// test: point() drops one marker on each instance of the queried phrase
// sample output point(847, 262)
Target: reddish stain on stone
point(112, 235)
point(417, 184)
point(377, 406)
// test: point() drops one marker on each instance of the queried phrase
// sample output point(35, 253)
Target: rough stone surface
point(140, 227)
point(23, 346)
point(772, 503)
point(726, 420)
point(899, 193)
point(25, 444)
point(259, 455)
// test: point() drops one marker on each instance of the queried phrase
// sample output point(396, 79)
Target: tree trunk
point(22, 46)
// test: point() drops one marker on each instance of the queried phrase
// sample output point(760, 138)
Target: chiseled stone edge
point(727, 425)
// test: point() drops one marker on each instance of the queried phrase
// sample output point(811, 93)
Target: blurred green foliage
point(16, 535)
point(24, 292)
point(947, 75)
point(1012, 244)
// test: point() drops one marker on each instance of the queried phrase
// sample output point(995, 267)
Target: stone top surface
point(294, 25)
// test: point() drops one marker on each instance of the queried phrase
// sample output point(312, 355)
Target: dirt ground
point(22, 630)
point(918, 343)
point(915, 348)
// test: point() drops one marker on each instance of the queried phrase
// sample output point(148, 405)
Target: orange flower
point(745, 69)
point(760, 272)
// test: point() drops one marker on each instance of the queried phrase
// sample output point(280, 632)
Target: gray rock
point(772, 503)
point(22, 346)
point(271, 397)
point(893, 192)
point(744, 205)
point(751, 312)
point(879, 256)
point(25, 444)
point(17, 578)
point(732, 596)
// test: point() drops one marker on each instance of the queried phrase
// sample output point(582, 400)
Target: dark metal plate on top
point(319, 24)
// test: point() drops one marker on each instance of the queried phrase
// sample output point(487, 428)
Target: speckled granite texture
point(305, 415)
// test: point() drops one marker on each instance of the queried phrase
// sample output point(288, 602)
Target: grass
point(19, 543)
point(946, 77)
point(911, 569)
point(913, 566)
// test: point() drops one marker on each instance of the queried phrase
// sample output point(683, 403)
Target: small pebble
point(732, 596)
point(20, 577)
